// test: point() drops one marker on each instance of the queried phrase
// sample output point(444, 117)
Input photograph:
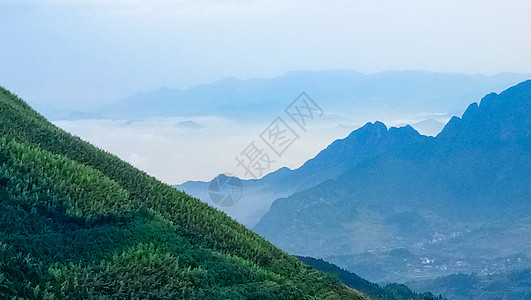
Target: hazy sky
point(80, 53)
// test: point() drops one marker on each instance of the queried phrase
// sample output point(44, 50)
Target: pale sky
point(83, 53)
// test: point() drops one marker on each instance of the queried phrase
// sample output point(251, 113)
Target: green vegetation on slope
point(77, 222)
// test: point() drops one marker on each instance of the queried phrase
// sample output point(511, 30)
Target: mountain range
point(345, 93)
point(367, 142)
point(458, 202)
point(350, 94)
point(394, 206)
point(211, 123)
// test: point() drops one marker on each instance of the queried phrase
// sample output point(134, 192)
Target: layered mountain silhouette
point(365, 143)
point(458, 202)
point(339, 92)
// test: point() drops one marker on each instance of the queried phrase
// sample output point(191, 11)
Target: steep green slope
point(77, 222)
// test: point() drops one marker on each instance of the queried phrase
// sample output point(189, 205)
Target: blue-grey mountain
point(458, 202)
point(402, 94)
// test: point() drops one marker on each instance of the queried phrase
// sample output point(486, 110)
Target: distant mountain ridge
point(339, 91)
point(473, 178)
point(361, 145)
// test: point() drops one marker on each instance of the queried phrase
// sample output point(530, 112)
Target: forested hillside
point(77, 222)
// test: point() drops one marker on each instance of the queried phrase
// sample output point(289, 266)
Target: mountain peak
point(369, 140)
point(471, 110)
point(497, 118)
point(376, 125)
